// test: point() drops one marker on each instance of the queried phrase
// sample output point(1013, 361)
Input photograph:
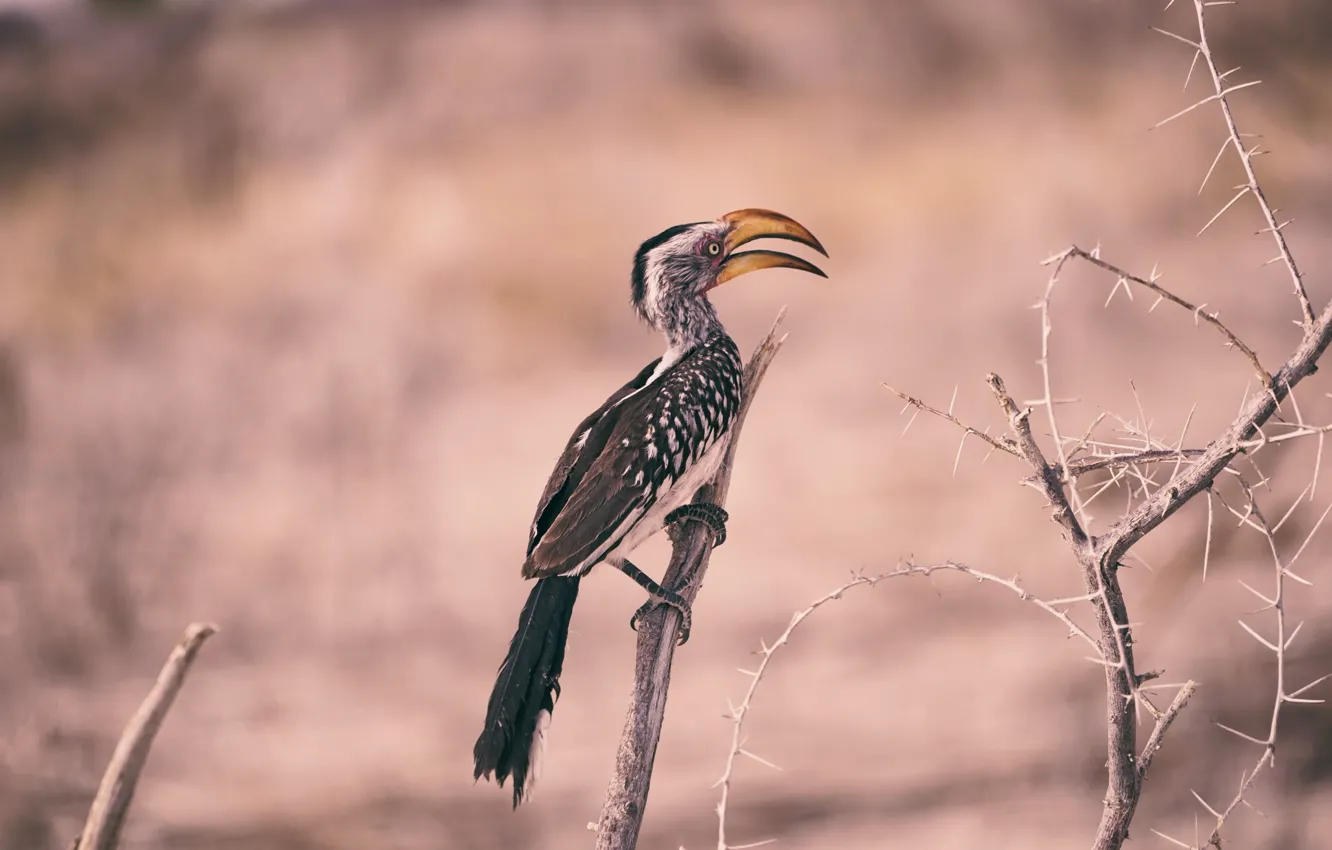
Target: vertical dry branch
point(1124, 779)
point(626, 797)
point(115, 793)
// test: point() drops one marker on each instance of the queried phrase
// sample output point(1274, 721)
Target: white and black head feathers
point(672, 270)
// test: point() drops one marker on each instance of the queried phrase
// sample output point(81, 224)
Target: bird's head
point(674, 270)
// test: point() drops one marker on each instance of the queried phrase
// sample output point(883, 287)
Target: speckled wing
point(600, 507)
point(584, 446)
point(657, 434)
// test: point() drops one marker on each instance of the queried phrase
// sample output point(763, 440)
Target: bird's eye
point(714, 248)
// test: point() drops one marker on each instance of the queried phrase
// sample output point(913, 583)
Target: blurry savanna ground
point(299, 301)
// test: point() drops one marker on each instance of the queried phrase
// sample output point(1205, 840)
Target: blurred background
point(300, 300)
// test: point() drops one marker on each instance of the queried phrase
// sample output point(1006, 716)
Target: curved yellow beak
point(750, 224)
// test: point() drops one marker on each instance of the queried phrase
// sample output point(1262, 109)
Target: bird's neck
point(687, 325)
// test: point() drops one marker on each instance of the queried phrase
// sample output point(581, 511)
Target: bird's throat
point(687, 325)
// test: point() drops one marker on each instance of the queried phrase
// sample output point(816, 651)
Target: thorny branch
point(1115, 642)
point(1199, 312)
point(1048, 478)
point(1164, 720)
point(1254, 517)
point(1234, 141)
point(1121, 455)
point(1003, 444)
point(1056, 608)
point(1082, 466)
point(1194, 471)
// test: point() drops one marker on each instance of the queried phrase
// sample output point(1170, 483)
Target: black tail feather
point(528, 683)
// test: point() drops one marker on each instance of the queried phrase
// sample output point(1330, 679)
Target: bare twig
point(1246, 159)
point(1082, 466)
point(1074, 503)
point(1278, 647)
point(1163, 725)
point(767, 650)
point(1003, 444)
point(1245, 432)
point(626, 798)
point(1198, 311)
point(738, 712)
point(1107, 455)
point(1115, 644)
point(1047, 477)
point(102, 829)
point(1138, 463)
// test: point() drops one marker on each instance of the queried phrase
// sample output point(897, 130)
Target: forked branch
point(1194, 471)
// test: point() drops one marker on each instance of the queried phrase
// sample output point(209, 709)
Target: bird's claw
point(686, 617)
point(713, 516)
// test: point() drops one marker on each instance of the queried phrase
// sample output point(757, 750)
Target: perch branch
point(115, 793)
point(626, 798)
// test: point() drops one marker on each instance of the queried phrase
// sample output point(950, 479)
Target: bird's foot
point(675, 601)
point(658, 595)
point(713, 516)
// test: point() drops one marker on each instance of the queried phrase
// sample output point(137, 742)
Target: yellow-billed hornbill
point(630, 468)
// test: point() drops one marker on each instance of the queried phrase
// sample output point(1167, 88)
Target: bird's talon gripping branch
point(646, 450)
point(675, 601)
point(713, 516)
point(659, 596)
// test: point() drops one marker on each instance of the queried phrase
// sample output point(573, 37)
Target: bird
point(630, 468)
